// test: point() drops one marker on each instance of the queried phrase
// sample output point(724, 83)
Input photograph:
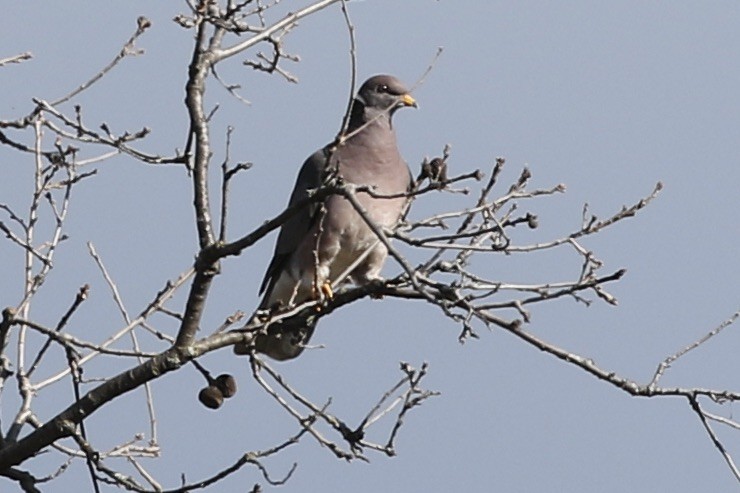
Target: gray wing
point(297, 227)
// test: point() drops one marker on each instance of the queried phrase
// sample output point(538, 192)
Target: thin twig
point(666, 363)
point(713, 436)
point(16, 58)
point(142, 24)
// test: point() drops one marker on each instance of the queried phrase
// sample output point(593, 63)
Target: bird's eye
point(382, 88)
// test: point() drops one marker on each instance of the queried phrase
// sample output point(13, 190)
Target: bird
point(324, 241)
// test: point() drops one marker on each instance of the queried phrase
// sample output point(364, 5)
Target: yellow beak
point(407, 100)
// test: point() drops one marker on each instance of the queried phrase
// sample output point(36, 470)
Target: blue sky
point(607, 99)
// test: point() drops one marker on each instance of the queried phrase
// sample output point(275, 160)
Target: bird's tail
point(283, 340)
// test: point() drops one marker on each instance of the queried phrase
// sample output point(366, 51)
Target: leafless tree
point(52, 141)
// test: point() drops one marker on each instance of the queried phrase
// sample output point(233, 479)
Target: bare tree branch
point(142, 24)
point(21, 57)
point(443, 275)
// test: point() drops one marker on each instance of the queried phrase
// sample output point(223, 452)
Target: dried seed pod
point(211, 397)
point(226, 384)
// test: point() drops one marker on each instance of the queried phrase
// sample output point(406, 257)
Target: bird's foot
point(322, 293)
point(327, 291)
point(374, 282)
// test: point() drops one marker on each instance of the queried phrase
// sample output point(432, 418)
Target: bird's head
point(385, 93)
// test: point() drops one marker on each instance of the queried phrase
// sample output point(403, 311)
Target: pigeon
point(326, 241)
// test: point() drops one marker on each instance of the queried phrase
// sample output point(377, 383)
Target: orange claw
point(327, 291)
point(322, 292)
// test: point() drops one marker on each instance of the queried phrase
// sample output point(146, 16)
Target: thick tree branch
point(200, 65)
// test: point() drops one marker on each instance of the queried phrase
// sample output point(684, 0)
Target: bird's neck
point(365, 118)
